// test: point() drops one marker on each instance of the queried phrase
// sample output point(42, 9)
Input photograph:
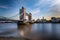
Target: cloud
point(45, 2)
point(4, 6)
point(55, 7)
point(35, 11)
point(49, 5)
point(46, 8)
point(55, 10)
point(42, 2)
point(56, 2)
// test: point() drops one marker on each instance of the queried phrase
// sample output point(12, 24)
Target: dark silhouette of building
point(53, 19)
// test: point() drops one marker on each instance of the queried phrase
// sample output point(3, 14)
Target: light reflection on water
point(32, 30)
point(36, 30)
point(8, 30)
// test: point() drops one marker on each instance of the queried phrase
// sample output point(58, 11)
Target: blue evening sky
point(38, 8)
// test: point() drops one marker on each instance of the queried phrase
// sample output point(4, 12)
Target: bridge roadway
point(8, 20)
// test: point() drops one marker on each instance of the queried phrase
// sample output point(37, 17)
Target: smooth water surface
point(30, 31)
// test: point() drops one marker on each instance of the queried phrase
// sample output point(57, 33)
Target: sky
point(38, 8)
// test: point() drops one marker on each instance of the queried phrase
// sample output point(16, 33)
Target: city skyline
point(38, 8)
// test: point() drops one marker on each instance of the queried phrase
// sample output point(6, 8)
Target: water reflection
point(39, 30)
point(32, 31)
point(29, 31)
point(56, 30)
point(8, 30)
point(25, 30)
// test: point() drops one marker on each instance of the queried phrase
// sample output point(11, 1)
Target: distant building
point(30, 16)
point(53, 19)
point(43, 20)
point(22, 14)
point(38, 20)
point(58, 19)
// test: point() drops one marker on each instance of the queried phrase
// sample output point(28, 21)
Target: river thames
point(32, 31)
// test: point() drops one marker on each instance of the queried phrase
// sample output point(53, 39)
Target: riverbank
point(13, 38)
point(47, 22)
point(21, 38)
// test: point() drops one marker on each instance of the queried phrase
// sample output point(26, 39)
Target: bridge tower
point(22, 14)
point(30, 17)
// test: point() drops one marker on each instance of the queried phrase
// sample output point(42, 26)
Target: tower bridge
point(22, 16)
